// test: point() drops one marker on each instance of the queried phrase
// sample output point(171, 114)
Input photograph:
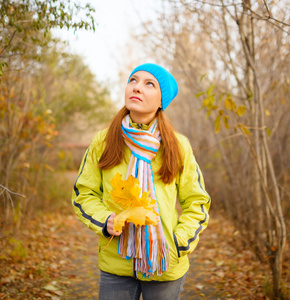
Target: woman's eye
point(150, 83)
point(132, 79)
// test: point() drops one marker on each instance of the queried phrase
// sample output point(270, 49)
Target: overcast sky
point(102, 48)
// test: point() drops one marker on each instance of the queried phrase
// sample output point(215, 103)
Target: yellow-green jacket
point(92, 192)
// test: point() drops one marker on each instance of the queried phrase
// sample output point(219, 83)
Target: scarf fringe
point(133, 244)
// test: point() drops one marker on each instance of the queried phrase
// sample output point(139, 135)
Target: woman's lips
point(135, 98)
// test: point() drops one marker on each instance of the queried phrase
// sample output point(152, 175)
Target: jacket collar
point(140, 126)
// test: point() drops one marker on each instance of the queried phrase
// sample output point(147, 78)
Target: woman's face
point(142, 97)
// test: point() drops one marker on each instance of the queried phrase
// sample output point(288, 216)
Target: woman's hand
point(110, 224)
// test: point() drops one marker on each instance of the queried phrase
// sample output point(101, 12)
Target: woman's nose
point(137, 88)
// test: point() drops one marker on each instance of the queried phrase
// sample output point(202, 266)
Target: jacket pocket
point(176, 244)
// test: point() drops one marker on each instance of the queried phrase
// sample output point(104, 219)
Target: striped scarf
point(145, 244)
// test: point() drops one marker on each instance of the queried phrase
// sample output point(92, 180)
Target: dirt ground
point(54, 256)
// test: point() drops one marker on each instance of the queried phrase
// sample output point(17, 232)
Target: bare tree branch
point(10, 192)
point(210, 3)
point(9, 42)
point(268, 18)
point(266, 5)
point(222, 140)
point(240, 83)
point(257, 15)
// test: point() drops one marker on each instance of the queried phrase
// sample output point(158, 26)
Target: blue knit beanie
point(167, 83)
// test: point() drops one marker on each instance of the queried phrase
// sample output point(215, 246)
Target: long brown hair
point(172, 161)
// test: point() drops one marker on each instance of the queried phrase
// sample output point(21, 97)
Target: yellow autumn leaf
point(217, 124)
point(146, 201)
point(230, 104)
point(136, 208)
point(241, 110)
point(226, 123)
point(268, 131)
point(127, 192)
point(243, 128)
point(137, 215)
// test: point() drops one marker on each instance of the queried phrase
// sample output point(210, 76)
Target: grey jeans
point(129, 288)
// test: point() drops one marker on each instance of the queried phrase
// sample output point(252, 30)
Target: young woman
point(152, 260)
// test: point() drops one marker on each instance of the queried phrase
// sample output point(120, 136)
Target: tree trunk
point(280, 228)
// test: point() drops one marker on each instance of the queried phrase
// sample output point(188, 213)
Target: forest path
point(83, 273)
point(53, 256)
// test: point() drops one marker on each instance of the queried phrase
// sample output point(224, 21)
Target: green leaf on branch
point(268, 131)
point(221, 97)
point(250, 96)
point(202, 77)
point(210, 90)
point(199, 94)
point(208, 103)
point(226, 123)
point(2, 64)
point(244, 129)
point(217, 124)
point(230, 104)
point(241, 110)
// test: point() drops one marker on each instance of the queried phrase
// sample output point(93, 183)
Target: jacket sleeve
point(195, 203)
point(88, 192)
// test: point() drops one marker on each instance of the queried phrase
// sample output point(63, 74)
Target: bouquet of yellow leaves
point(130, 205)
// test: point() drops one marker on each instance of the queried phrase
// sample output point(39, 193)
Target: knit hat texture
point(167, 83)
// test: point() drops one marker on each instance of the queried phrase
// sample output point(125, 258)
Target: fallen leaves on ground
point(50, 243)
point(224, 262)
point(57, 259)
